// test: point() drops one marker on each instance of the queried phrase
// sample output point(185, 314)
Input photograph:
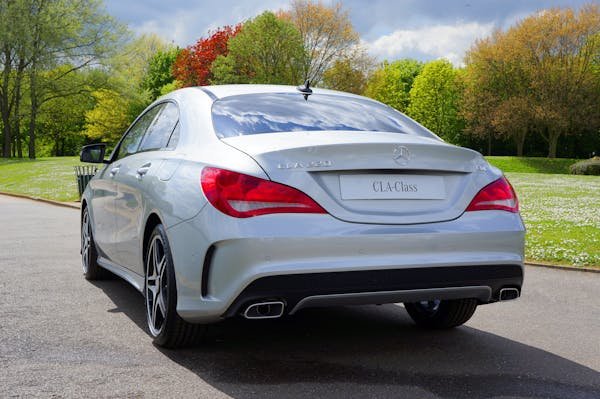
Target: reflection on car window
point(160, 130)
point(174, 140)
point(288, 112)
point(131, 142)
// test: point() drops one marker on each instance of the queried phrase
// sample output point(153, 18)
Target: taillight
point(243, 196)
point(498, 195)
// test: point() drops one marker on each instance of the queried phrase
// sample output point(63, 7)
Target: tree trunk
point(6, 148)
point(32, 131)
point(520, 142)
point(489, 145)
point(552, 144)
point(5, 102)
point(19, 146)
point(17, 149)
point(34, 109)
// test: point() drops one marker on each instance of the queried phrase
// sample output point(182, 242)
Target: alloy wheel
point(86, 241)
point(156, 286)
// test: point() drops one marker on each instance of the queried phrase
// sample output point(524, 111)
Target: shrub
point(587, 167)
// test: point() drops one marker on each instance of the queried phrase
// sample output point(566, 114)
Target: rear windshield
point(288, 112)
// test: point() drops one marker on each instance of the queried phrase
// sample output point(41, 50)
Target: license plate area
point(392, 187)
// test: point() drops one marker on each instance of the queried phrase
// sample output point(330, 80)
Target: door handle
point(143, 170)
point(114, 170)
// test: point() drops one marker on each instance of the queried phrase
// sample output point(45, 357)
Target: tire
point(441, 314)
point(89, 254)
point(166, 327)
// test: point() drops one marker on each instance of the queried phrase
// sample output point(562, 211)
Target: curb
point(74, 205)
point(564, 267)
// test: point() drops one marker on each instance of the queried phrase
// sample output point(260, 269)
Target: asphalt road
point(61, 336)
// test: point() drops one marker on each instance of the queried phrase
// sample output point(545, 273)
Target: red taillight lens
point(498, 195)
point(243, 196)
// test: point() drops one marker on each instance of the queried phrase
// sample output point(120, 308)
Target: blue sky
point(390, 29)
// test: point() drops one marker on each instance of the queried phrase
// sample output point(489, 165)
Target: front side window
point(158, 134)
point(249, 114)
point(130, 144)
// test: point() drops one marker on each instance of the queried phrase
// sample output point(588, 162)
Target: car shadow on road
point(367, 351)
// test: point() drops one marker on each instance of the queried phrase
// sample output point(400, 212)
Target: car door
point(137, 177)
point(124, 203)
point(102, 204)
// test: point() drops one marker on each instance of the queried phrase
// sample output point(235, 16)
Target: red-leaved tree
point(192, 66)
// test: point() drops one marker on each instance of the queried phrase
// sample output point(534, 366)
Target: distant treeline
point(71, 74)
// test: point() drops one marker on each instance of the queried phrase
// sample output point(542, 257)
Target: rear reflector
point(242, 196)
point(498, 195)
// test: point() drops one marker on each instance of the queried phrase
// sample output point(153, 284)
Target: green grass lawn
point(50, 178)
point(561, 212)
point(562, 216)
point(532, 165)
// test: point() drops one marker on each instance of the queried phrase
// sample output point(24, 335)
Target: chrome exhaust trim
point(264, 310)
point(507, 294)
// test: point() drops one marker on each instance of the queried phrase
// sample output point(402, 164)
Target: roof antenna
point(305, 90)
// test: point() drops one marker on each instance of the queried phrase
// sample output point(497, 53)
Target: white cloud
point(183, 26)
point(437, 41)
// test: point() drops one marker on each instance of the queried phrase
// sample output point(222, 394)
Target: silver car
point(260, 201)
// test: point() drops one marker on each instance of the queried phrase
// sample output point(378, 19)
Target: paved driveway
point(61, 336)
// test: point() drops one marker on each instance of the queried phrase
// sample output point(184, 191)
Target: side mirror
point(93, 153)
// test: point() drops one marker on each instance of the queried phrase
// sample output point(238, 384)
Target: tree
point(545, 62)
point(110, 117)
point(38, 36)
point(434, 99)
point(391, 82)
point(327, 34)
point(159, 73)
point(266, 50)
point(193, 64)
point(62, 130)
point(344, 76)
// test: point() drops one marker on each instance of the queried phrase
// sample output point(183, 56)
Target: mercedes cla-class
point(259, 201)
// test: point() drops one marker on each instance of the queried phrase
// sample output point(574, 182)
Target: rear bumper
point(381, 286)
point(223, 263)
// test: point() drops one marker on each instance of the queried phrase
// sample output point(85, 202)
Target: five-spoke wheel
point(157, 286)
point(89, 254)
point(160, 290)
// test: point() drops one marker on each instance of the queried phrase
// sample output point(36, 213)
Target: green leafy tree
point(434, 99)
point(38, 36)
point(63, 104)
point(125, 93)
point(110, 117)
point(266, 50)
point(391, 82)
point(159, 73)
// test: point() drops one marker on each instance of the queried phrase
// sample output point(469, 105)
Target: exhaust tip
point(507, 294)
point(264, 310)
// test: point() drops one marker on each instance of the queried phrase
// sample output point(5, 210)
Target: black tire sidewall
point(172, 317)
point(93, 269)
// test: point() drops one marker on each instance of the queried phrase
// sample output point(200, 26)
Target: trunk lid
point(371, 177)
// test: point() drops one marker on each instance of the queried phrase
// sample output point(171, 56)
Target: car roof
point(221, 91)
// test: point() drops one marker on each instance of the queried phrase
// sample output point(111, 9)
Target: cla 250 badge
point(304, 165)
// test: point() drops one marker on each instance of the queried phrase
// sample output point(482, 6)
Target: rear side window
point(158, 134)
point(131, 142)
point(249, 114)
